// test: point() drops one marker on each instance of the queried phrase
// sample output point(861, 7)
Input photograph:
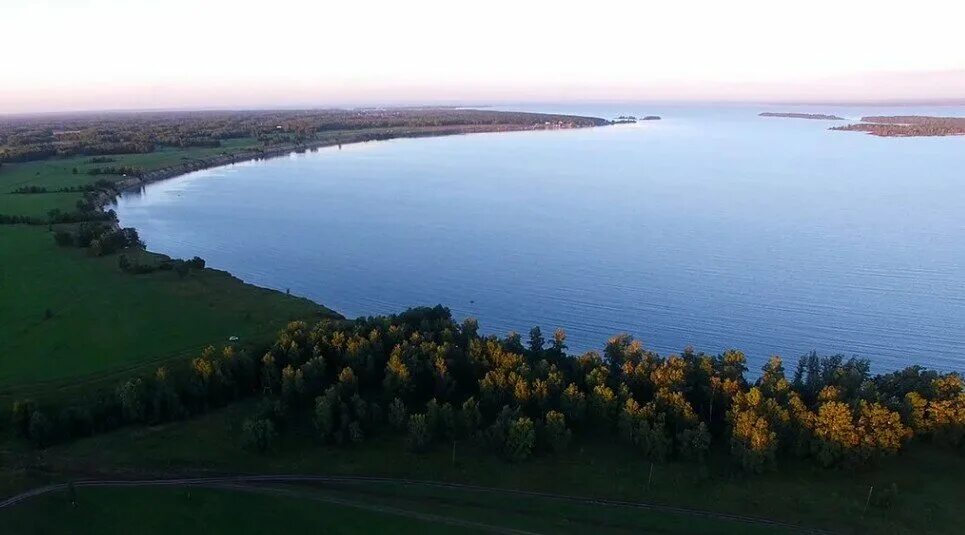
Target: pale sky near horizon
point(113, 54)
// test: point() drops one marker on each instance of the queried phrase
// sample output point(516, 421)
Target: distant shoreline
point(908, 126)
point(811, 116)
point(362, 136)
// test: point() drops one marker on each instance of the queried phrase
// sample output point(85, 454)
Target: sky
point(135, 54)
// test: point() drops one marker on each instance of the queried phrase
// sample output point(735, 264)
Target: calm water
point(713, 228)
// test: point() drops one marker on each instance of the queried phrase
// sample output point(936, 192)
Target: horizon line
point(442, 103)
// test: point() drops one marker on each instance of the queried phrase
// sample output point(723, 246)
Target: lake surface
point(713, 228)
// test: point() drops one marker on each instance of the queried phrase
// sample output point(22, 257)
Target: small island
point(813, 116)
point(908, 126)
point(631, 119)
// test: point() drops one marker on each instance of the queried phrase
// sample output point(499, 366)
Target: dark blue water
point(713, 228)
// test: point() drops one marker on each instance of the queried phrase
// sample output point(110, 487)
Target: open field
point(38, 205)
point(195, 510)
point(927, 477)
point(346, 507)
point(102, 318)
point(68, 315)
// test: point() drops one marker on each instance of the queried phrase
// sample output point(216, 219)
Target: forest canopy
point(433, 380)
point(26, 138)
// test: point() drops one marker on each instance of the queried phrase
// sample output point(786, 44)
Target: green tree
point(347, 382)
point(513, 343)
point(289, 390)
point(324, 416)
point(131, 394)
point(40, 430)
point(470, 417)
point(536, 340)
point(521, 439)
point(397, 414)
point(834, 432)
point(419, 436)
point(398, 380)
point(694, 443)
point(20, 416)
point(573, 403)
point(556, 433)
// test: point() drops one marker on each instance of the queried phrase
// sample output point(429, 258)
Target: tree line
point(434, 381)
point(35, 138)
point(99, 185)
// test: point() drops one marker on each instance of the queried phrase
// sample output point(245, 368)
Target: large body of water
point(713, 228)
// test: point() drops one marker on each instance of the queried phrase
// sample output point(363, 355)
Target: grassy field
point(196, 510)
point(928, 479)
point(101, 318)
point(67, 318)
point(340, 508)
point(38, 205)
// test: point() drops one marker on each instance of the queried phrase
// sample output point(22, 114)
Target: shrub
point(20, 416)
point(419, 437)
point(258, 434)
point(40, 430)
point(694, 443)
point(63, 238)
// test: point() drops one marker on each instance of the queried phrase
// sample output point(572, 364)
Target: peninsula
point(908, 126)
point(813, 116)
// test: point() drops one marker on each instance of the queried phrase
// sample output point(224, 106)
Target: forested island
point(908, 126)
point(631, 119)
point(813, 116)
point(119, 363)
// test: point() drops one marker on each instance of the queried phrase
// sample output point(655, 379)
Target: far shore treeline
point(38, 137)
point(433, 380)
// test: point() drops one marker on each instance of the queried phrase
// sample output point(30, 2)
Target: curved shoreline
point(354, 137)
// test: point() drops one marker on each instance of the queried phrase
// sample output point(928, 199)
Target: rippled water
point(713, 228)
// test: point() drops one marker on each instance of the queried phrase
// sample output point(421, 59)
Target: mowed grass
point(198, 510)
point(929, 479)
point(39, 204)
point(68, 317)
point(66, 314)
point(340, 508)
point(57, 173)
point(51, 174)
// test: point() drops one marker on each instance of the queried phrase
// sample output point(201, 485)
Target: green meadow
point(69, 318)
point(339, 508)
point(928, 478)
